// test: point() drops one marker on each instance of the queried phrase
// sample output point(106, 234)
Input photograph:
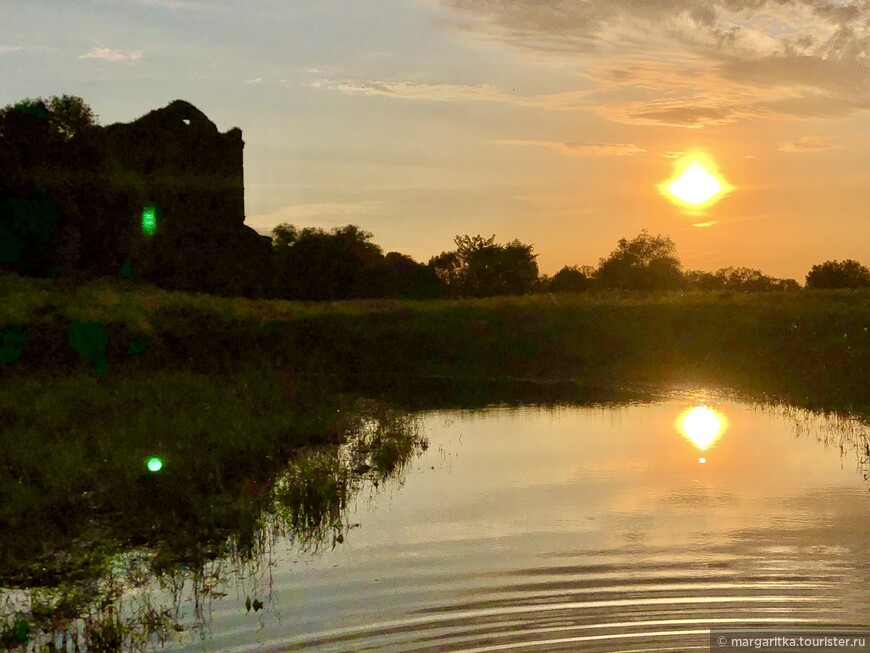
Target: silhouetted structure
point(160, 198)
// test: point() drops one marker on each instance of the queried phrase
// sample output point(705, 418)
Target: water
point(580, 529)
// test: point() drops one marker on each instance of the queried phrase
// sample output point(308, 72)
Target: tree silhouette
point(569, 279)
point(479, 267)
point(839, 274)
point(343, 263)
point(644, 263)
point(66, 115)
point(405, 277)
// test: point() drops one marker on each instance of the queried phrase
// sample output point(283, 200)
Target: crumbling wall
point(173, 159)
point(185, 164)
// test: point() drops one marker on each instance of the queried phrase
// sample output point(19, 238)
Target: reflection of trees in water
point(847, 432)
point(110, 601)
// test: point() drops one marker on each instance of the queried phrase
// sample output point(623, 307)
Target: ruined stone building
point(159, 199)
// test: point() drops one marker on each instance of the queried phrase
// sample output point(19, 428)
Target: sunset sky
point(551, 121)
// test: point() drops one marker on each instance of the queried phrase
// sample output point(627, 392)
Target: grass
point(811, 347)
point(98, 377)
point(83, 521)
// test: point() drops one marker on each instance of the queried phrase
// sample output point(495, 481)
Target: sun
point(696, 183)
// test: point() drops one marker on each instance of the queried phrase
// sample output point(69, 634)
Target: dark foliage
point(644, 263)
point(839, 274)
point(313, 264)
point(738, 279)
point(568, 279)
point(480, 267)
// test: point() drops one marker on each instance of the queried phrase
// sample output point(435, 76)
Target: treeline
point(344, 263)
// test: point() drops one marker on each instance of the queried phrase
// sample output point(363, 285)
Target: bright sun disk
point(696, 186)
point(696, 183)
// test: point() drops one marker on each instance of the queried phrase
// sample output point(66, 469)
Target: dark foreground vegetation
point(97, 377)
point(94, 546)
point(812, 347)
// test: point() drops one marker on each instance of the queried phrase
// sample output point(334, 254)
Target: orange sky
point(551, 121)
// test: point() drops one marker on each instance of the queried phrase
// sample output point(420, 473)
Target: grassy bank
point(83, 522)
point(809, 347)
point(97, 378)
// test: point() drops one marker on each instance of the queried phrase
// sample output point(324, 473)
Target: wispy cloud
point(108, 54)
point(583, 149)
point(193, 5)
point(809, 144)
point(312, 213)
point(693, 63)
point(255, 80)
point(9, 48)
point(451, 93)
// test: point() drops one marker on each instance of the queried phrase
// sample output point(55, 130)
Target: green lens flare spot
point(154, 464)
point(149, 220)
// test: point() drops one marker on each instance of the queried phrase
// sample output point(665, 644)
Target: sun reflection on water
point(702, 426)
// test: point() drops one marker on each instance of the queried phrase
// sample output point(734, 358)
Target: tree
point(738, 279)
point(447, 267)
point(479, 267)
point(284, 235)
point(66, 115)
point(407, 278)
point(700, 280)
point(839, 274)
point(644, 263)
point(325, 265)
point(569, 279)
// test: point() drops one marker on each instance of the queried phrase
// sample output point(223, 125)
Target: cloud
point(693, 63)
point(312, 213)
point(402, 90)
point(176, 4)
point(256, 80)
point(583, 149)
point(809, 144)
point(9, 48)
point(111, 55)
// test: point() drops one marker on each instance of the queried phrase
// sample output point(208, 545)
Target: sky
point(550, 121)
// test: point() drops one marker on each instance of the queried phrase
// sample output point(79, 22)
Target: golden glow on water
point(696, 184)
point(702, 426)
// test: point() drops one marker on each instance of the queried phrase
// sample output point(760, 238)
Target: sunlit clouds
point(583, 149)
point(809, 144)
point(321, 214)
point(697, 62)
point(108, 54)
point(443, 92)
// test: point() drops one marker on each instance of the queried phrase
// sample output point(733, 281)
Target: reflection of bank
point(702, 426)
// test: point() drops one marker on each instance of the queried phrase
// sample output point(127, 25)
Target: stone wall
point(174, 160)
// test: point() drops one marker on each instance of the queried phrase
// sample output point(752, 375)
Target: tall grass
point(83, 522)
point(812, 347)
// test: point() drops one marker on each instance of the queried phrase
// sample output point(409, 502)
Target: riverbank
point(808, 347)
point(96, 379)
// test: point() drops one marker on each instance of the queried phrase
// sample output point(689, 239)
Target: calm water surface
point(634, 528)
